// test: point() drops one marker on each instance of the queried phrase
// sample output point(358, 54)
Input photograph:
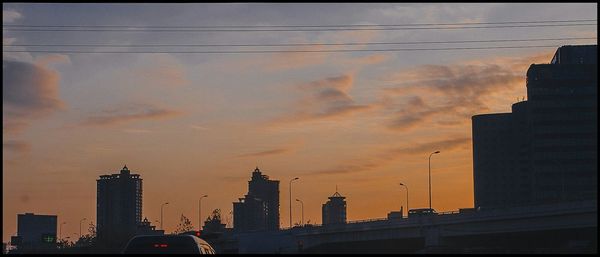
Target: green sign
point(49, 238)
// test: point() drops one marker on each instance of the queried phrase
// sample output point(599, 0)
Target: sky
point(193, 124)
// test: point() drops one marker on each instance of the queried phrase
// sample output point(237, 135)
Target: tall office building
point(546, 149)
point(119, 207)
point(334, 210)
point(259, 209)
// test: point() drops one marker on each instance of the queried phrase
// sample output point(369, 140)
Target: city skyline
point(198, 124)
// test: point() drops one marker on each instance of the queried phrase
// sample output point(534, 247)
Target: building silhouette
point(545, 150)
point(119, 207)
point(334, 210)
point(146, 228)
point(35, 232)
point(259, 209)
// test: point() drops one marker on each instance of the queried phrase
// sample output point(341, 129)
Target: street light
point(430, 177)
point(301, 204)
point(161, 215)
point(407, 209)
point(200, 212)
point(60, 230)
point(80, 226)
point(291, 200)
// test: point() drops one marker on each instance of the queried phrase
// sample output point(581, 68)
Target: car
point(421, 212)
point(168, 244)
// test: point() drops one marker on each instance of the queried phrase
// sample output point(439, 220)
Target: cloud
point(198, 127)
point(325, 98)
point(29, 91)
point(288, 147)
point(16, 146)
point(137, 131)
point(454, 92)
point(295, 60)
point(265, 153)
point(163, 70)
point(10, 16)
point(119, 116)
point(386, 156)
point(442, 145)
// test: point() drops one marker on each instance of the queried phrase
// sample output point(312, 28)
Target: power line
point(304, 44)
point(291, 30)
point(303, 26)
point(280, 51)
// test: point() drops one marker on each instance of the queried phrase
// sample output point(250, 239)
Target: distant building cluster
point(546, 150)
point(259, 209)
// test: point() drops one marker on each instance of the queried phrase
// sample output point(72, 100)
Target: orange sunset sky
point(195, 124)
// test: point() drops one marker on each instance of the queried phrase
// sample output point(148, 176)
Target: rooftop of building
point(336, 194)
point(124, 172)
point(576, 54)
point(37, 215)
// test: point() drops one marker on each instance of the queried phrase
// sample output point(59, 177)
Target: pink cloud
point(115, 117)
point(454, 92)
point(29, 91)
point(324, 98)
point(16, 146)
point(266, 153)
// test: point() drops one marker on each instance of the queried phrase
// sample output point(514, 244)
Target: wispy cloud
point(16, 146)
point(115, 117)
point(198, 127)
point(265, 153)
point(454, 92)
point(384, 157)
point(325, 98)
point(137, 131)
point(162, 70)
point(10, 16)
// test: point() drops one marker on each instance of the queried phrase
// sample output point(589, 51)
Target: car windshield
point(160, 245)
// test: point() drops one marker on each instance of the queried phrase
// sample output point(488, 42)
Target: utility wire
point(296, 26)
point(304, 44)
point(291, 30)
point(281, 51)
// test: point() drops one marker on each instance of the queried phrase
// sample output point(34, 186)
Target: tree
point(185, 225)
point(64, 243)
point(215, 216)
point(92, 229)
point(213, 223)
point(88, 240)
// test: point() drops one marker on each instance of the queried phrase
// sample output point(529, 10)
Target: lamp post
point(60, 230)
point(407, 209)
point(80, 226)
point(161, 215)
point(291, 200)
point(430, 176)
point(301, 204)
point(200, 212)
